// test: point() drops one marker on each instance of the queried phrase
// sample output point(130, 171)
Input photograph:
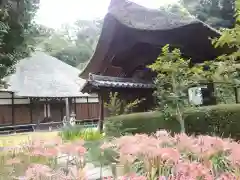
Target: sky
point(54, 13)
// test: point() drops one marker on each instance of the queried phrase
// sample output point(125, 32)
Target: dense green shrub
point(80, 132)
point(222, 120)
point(146, 122)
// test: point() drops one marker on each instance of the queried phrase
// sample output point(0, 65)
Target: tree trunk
point(180, 119)
point(178, 110)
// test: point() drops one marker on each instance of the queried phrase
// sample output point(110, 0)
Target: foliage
point(128, 107)
point(228, 67)
point(162, 156)
point(230, 38)
point(16, 32)
point(96, 155)
point(221, 120)
point(174, 73)
point(173, 77)
point(114, 105)
point(146, 122)
point(72, 44)
point(224, 93)
point(117, 106)
point(217, 13)
point(79, 132)
point(176, 8)
point(93, 140)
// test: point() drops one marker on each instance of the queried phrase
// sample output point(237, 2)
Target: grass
point(17, 139)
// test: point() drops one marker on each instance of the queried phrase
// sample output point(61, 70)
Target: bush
point(79, 132)
point(221, 120)
point(146, 122)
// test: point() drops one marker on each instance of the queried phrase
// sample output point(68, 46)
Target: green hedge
point(221, 120)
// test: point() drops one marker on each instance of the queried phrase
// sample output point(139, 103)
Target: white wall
point(84, 100)
point(21, 100)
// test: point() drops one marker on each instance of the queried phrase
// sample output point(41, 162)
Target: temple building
point(37, 92)
point(132, 38)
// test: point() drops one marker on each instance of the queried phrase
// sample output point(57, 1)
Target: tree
point(16, 30)
point(88, 32)
point(73, 55)
point(229, 69)
point(178, 9)
point(217, 13)
point(116, 106)
point(40, 34)
point(74, 44)
point(173, 76)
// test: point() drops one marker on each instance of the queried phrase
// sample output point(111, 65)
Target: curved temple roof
point(127, 24)
point(138, 17)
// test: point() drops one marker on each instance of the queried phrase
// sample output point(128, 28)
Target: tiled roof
point(97, 81)
point(120, 84)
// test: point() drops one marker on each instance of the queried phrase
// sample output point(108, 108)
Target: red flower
point(81, 150)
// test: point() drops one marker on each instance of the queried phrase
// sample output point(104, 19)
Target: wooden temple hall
point(132, 38)
point(37, 92)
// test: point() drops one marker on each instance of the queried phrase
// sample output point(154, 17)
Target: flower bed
point(180, 157)
point(41, 159)
point(139, 157)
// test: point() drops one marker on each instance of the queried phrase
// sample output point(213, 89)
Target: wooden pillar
point(101, 112)
point(88, 112)
point(67, 109)
point(31, 110)
point(70, 105)
point(46, 107)
point(75, 106)
point(236, 94)
point(13, 110)
point(61, 109)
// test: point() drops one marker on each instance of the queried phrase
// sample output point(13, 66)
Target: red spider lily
point(80, 150)
point(108, 178)
point(51, 152)
point(66, 148)
point(228, 176)
point(169, 154)
point(162, 178)
point(38, 170)
point(234, 154)
point(13, 161)
point(192, 170)
point(37, 152)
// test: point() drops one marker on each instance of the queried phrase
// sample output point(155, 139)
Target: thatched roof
point(42, 75)
point(139, 17)
point(128, 27)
